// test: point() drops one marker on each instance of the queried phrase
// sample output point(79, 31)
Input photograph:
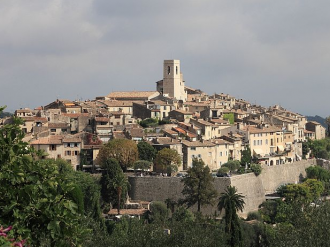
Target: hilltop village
point(214, 128)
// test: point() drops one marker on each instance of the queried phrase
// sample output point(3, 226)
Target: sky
point(264, 51)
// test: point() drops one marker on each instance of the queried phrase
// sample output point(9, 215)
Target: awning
point(257, 151)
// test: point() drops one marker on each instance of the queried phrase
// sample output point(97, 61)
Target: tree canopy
point(198, 185)
point(168, 159)
point(123, 150)
point(146, 151)
point(231, 201)
point(35, 198)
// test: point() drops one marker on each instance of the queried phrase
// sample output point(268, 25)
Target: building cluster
point(215, 128)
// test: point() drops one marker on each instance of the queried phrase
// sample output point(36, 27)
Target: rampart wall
point(252, 187)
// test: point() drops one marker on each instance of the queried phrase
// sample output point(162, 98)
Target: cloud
point(268, 52)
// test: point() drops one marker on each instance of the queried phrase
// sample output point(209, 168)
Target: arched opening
point(271, 163)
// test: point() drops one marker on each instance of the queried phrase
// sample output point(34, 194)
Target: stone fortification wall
point(274, 176)
point(252, 187)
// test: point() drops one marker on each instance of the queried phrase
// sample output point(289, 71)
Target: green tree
point(114, 184)
point(123, 150)
point(223, 171)
point(158, 212)
point(168, 159)
point(142, 165)
point(256, 168)
point(146, 151)
point(246, 156)
point(198, 185)
point(233, 165)
point(231, 202)
point(34, 197)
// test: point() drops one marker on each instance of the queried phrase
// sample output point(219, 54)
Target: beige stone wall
point(252, 187)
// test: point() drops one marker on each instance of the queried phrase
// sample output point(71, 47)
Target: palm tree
point(120, 183)
point(231, 201)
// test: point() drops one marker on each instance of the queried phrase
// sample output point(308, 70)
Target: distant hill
point(5, 114)
point(318, 119)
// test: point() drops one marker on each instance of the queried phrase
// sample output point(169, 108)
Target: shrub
point(222, 171)
point(254, 216)
point(256, 168)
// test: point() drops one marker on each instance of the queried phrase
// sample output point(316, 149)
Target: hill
point(318, 119)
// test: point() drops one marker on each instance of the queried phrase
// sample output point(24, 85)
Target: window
point(117, 116)
point(176, 69)
point(226, 153)
point(71, 145)
point(266, 141)
point(210, 153)
point(220, 155)
point(76, 145)
point(254, 143)
point(260, 142)
point(76, 153)
point(220, 163)
point(68, 153)
point(52, 147)
point(58, 156)
point(53, 130)
point(199, 156)
point(168, 70)
point(193, 148)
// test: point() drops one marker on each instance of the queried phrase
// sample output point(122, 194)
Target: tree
point(146, 151)
point(198, 185)
point(34, 198)
point(233, 165)
point(123, 150)
point(158, 212)
point(246, 156)
point(168, 159)
point(231, 201)
point(327, 120)
point(142, 164)
point(114, 184)
point(256, 168)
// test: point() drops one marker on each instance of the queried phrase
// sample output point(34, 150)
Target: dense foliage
point(168, 159)
point(146, 151)
point(198, 185)
point(35, 197)
point(123, 150)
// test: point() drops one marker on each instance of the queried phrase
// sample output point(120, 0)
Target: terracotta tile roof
point(47, 140)
point(254, 130)
point(219, 121)
point(170, 132)
point(183, 112)
point(71, 139)
point(101, 119)
point(221, 142)
point(24, 111)
point(205, 122)
point(118, 135)
point(198, 144)
point(192, 103)
point(132, 94)
point(166, 141)
point(75, 115)
point(117, 103)
point(136, 132)
point(35, 119)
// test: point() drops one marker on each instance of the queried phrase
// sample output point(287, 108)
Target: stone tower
point(173, 83)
